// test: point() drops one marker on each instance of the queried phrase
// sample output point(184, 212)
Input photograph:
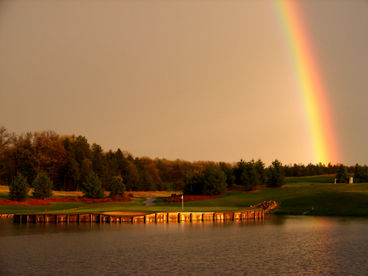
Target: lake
point(279, 245)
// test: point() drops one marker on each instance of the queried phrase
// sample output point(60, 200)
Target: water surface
point(276, 246)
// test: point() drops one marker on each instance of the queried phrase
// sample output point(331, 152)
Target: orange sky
point(197, 80)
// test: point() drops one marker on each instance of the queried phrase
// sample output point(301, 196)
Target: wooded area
point(71, 163)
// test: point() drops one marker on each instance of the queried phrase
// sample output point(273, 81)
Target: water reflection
point(275, 246)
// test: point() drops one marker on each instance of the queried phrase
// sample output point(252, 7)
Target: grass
point(4, 190)
point(300, 196)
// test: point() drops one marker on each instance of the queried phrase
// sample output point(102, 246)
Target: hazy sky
point(196, 80)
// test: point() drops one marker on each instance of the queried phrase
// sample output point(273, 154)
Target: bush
point(42, 186)
point(19, 188)
point(117, 187)
point(92, 187)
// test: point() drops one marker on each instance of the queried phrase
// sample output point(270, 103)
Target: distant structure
point(351, 180)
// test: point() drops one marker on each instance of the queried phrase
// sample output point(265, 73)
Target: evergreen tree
point(228, 171)
point(99, 165)
point(360, 174)
point(85, 170)
point(276, 175)
point(42, 186)
point(18, 190)
point(342, 174)
point(214, 180)
point(246, 175)
point(193, 183)
point(261, 172)
point(92, 187)
point(117, 187)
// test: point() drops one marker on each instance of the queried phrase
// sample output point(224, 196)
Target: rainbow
point(313, 93)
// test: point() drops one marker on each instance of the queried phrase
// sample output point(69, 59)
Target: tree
point(131, 176)
point(92, 187)
point(261, 172)
point(193, 183)
point(49, 154)
point(99, 165)
point(70, 174)
point(42, 186)
point(214, 180)
point(342, 174)
point(18, 190)
point(228, 171)
point(276, 175)
point(85, 170)
point(360, 174)
point(5, 138)
point(246, 175)
point(117, 187)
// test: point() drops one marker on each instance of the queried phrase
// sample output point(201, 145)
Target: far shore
point(312, 196)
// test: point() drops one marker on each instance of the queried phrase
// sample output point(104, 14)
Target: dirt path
point(150, 201)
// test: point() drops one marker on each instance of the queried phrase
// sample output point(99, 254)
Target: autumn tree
point(49, 154)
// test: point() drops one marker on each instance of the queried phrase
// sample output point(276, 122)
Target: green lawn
point(303, 195)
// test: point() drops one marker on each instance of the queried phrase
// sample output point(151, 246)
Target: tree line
point(71, 163)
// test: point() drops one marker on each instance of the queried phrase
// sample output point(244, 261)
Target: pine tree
point(92, 187)
point(276, 175)
point(342, 174)
point(117, 187)
point(42, 186)
point(18, 190)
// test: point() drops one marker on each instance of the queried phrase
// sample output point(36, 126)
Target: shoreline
point(141, 217)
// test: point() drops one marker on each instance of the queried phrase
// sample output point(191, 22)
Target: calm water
point(277, 246)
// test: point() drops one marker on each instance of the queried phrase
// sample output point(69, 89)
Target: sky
point(194, 80)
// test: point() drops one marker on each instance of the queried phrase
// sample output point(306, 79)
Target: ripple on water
point(278, 246)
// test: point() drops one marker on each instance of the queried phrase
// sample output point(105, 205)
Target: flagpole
point(182, 202)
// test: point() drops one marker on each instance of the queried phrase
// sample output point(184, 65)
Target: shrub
point(18, 189)
point(117, 187)
point(92, 187)
point(42, 186)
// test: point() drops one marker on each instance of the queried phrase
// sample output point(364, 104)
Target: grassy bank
point(302, 195)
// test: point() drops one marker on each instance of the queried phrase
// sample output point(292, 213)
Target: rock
point(266, 205)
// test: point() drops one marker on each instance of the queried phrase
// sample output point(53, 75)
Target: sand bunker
point(125, 213)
